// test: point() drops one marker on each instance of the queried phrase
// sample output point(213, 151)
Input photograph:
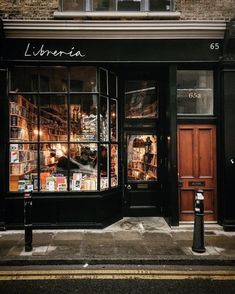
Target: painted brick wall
point(190, 9)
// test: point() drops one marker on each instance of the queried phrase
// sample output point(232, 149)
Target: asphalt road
point(164, 280)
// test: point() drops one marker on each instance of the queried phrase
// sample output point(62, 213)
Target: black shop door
point(143, 152)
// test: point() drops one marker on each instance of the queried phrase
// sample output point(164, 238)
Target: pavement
point(145, 240)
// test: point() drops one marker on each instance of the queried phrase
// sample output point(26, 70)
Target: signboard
point(197, 183)
point(111, 50)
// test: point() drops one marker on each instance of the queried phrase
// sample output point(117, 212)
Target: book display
point(23, 119)
point(114, 165)
point(83, 118)
point(23, 163)
point(54, 139)
point(142, 157)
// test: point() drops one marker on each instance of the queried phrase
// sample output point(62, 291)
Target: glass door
point(142, 181)
point(142, 148)
point(142, 157)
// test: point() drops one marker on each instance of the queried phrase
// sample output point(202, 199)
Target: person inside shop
point(63, 161)
point(87, 157)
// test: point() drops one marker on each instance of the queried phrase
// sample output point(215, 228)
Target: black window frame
point(67, 92)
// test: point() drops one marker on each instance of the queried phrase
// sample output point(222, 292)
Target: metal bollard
point(28, 227)
point(198, 233)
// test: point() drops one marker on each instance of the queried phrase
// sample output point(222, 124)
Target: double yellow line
point(107, 274)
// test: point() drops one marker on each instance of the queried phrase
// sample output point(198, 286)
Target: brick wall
point(206, 9)
point(28, 9)
point(190, 9)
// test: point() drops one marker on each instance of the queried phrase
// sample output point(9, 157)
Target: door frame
point(199, 182)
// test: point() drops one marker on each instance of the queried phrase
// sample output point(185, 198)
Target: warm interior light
point(36, 132)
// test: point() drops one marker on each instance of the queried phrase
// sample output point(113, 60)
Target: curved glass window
point(62, 130)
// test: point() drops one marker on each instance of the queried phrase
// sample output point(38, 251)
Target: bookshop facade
point(99, 129)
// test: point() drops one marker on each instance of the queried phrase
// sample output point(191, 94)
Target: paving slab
point(146, 240)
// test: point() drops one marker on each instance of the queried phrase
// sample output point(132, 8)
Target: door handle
point(128, 187)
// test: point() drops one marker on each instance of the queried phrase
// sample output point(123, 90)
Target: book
point(21, 186)
point(14, 157)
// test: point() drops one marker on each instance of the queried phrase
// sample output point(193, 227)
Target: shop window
point(195, 94)
point(23, 164)
point(142, 157)
point(54, 140)
point(26, 82)
point(53, 117)
point(117, 5)
point(114, 165)
point(141, 99)
point(104, 122)
point(83, 117)
point(53, 79)
point(83, 79)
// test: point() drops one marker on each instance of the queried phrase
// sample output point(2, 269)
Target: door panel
point(205, 153)
point(186, 167)
point(197, 169)
point(142, 188)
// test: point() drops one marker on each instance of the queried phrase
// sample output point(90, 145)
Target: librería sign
point(43, 51)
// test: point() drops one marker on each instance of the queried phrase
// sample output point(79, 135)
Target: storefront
point(99, 129)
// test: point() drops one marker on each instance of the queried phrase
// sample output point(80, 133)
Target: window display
point(53, 118)
point(142, 157)
point(23, 166)
point(114, 165)
point(104, 127)
point(141, 99)
point(195, 92)
point(54, 141)
point(75, 162)
point(23, 118)
point(83, 117)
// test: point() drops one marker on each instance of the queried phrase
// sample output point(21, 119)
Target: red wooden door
point(197, 169)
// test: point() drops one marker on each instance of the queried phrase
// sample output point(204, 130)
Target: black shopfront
point(90, 126)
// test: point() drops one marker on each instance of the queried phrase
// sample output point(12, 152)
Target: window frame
point(197, 115)
point(144, 7)
point(69, 141)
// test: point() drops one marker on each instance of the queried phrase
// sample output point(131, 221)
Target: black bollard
point(198, 233)
point(28, 227)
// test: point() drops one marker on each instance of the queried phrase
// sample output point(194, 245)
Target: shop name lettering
point(32, 51)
